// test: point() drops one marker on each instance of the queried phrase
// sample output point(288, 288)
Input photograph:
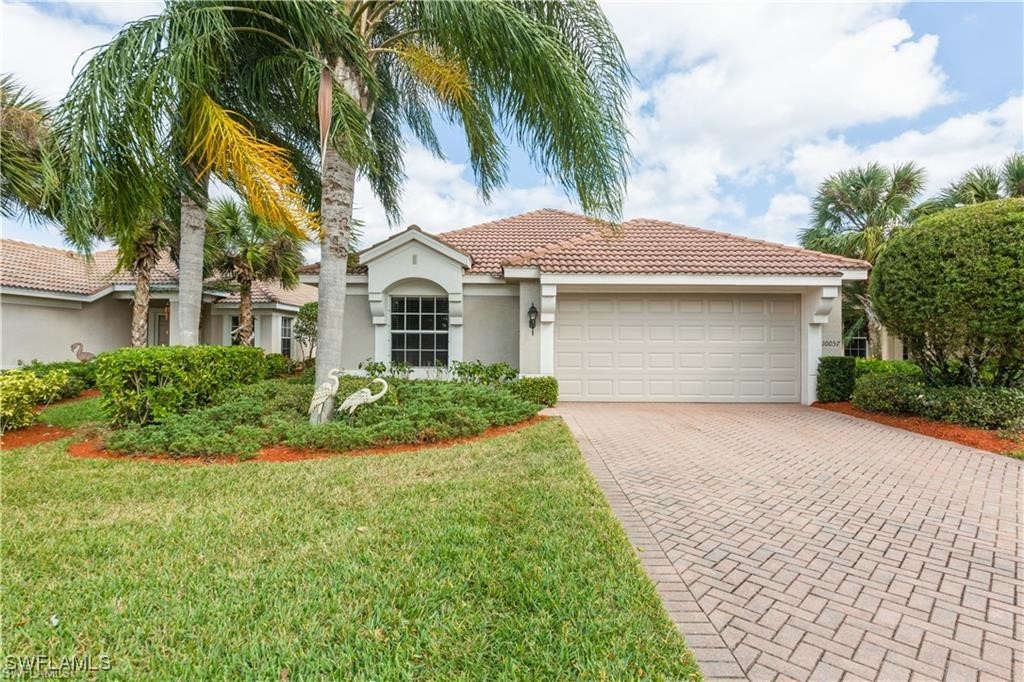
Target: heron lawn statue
point(80, 353)
point(363, 397)
point(322, 394)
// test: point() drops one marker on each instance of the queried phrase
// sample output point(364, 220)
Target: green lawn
point(492, 559)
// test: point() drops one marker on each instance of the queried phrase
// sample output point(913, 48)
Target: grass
point(72, 414)
point(493, 559)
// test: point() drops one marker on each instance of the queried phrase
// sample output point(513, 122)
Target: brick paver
point(795, 543)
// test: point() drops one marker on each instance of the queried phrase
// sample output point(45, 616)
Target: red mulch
point(33, 435)
point(983, 439)
point(282, 453)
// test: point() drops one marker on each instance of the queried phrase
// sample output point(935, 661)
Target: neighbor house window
point(236, 327)
point(286, 336)
point(857, 347)
point(419, 330)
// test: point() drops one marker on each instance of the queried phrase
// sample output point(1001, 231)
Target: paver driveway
point(791, 542)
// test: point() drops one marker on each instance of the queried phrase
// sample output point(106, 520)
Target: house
point(51, 298)
point(649, 310)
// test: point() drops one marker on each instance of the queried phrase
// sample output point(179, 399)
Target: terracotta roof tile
point(273, 292)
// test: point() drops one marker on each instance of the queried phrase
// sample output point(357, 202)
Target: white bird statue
point(323, 393)
point(363, 397)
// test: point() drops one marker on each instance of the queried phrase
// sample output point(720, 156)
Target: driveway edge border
point(715, 658)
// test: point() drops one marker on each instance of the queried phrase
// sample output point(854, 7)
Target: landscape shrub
point(277, 365)
point(476, 372)
point(19, 392)
point(143, 385)
point(836, 378)
point(80, 375)
point(539, 390)
point(950, 287)
point(248, 418)
point(980, 406)
point(869, 366)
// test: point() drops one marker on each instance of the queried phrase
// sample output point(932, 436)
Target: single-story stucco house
point(51, 298)
point(649, 311)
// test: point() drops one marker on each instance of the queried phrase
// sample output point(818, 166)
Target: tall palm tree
point(854, 214)
point(550, 74)
point(247, 249)
point(139, 251)
point(149, 111)
point(29, 172)
point(978, 185)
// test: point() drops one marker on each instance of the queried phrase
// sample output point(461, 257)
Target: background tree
point(356, 81)
point(149, 110)
point(139, 251)
point(29, 178)
point(304, 329)
point(854, 214)
point(246, 248)
point(978, 185)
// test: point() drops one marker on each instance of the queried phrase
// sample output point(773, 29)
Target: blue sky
point(738, 111)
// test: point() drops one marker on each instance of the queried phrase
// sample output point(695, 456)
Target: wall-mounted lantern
point(531, 315)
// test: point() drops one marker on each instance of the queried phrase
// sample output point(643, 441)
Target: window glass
point(419, 330)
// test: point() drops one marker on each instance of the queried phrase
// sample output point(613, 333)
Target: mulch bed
point(33, 435)
point(282, 453)
point(983, 439)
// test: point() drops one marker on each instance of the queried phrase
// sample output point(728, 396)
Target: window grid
point(286, 337)
point(419, 330)
point(857, 347)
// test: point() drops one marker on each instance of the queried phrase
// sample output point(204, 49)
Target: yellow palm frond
point(261, 171)
point(447, 77)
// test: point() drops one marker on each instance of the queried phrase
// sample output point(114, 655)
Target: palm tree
point(139, 251)
point(978, 185)
point(149, 111)
point(247, 249)
point(551, 74)
point(29, 172)
point(854, 214)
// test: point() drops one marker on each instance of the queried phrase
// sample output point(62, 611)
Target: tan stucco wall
point(832, 331)
point(41, 329)
point(491, 332)
point(357, 338)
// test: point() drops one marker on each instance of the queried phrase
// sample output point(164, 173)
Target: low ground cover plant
point(980, 406)
point(21, 391)
point(273, 412)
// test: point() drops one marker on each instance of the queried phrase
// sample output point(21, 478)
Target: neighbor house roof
point(562, 242)
point(45, 268)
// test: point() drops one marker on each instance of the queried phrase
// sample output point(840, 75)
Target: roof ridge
point(555, 247)
point(488, 223)
point(857, 262)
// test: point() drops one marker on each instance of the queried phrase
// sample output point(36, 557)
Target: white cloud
point(946, 151)
point(786, 215)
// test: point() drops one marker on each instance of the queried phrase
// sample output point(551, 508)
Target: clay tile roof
point(273, 292)
point(658, 247)
point(491, 244)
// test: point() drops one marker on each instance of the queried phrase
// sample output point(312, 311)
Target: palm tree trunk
point(190, 269)
point(140, 300)
point(338, 189)
point(245, 331)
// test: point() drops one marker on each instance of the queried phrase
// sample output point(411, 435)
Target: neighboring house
point(648, 311)
point(51, 298)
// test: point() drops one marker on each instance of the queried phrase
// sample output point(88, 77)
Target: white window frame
point(291, 339)
point(446, 333)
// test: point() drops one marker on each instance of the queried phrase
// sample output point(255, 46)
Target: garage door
point(670, 347)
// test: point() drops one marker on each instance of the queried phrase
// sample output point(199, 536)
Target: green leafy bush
point(950, 287)
point(836, 378)
point(980, 406)
point(278, 365)
point(867, 366)
point(376, 369)
point(539, 390)
point(248, 418)
point(476, 372)
point(143, 385)
point(80, 375)
point(21, 391)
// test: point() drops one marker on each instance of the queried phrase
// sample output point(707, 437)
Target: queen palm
point(246, 249)
point(854, 213)
point(149, 111)
point(29, 172)
point(552, 76)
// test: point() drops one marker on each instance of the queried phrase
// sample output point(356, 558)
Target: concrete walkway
point(793, 543)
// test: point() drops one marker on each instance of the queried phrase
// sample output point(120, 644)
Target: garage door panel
point(678, 348)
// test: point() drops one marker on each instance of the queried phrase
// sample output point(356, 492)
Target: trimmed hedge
point(980, 406)
point(21, 391)
point(539, 390)
point(836, 378)
point(80, 375)
point(867, 366)
point(144, 385)
point(476, 372)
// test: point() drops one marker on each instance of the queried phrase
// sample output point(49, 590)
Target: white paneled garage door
point(671, 347)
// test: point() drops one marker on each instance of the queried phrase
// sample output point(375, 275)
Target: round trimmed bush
point(952, 287)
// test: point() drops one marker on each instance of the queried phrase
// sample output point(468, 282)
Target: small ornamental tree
point(952, 287)
point(304, 328)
